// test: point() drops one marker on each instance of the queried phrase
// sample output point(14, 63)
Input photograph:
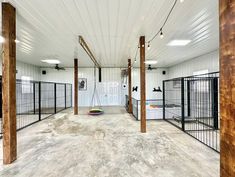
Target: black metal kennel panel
point(38, 100)
point(68, 95)
point(60, 96)
point(173, 101)
point(196, 106)
point(25, 103)
point(47, 97)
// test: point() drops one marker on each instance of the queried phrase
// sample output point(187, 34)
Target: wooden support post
point(227, 87)
point(9, 83)
point(75, 86)
point(142, 84)
point(130, 86)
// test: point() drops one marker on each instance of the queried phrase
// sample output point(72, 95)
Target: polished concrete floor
point(108, 146)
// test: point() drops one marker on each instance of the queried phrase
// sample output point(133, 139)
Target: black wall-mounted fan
point(57, 67)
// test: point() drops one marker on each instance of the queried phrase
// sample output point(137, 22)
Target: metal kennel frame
point(150, 115)
point(37, 100)
point(192, 104)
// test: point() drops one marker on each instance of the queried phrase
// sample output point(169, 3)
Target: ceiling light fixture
point(179, 42)
point(151, 62)
point(2, 39)
point(181, 1)
point(51, 61)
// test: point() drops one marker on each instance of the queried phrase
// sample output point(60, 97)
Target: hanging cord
point(136, 53)
point(163, 25)
point(172, 8)
point(96, 93)
point(95, 97)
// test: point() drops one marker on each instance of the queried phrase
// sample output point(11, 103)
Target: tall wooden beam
point(75, 86)
point(130, 86)
point(227, 87)
point(9, 83)
point(142, 84)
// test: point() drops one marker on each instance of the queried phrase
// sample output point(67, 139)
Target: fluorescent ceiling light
point(179, 42)
point(2, 39)
point(151, 62)
point(51, 61)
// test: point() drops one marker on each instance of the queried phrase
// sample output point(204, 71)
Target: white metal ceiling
point(49, 29)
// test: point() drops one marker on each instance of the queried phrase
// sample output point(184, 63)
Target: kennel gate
point(192, 104)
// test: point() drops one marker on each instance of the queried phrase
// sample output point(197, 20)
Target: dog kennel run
point(192, 104)
point(36, 100)
point(154, 108)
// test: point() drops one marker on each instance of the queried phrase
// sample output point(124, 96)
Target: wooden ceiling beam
point(84, 45)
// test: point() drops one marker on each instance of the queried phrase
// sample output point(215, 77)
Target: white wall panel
point(154, 78)
point(28, 70)
point(208, 62)
point(24, 69)
point(110, 89)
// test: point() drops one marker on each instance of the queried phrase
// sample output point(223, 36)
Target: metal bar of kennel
point(215, 102)
point(34, 99)
point(65, 99)
point(71, 96)
point(39, 100)
point(163, 100)
point(188, 98)
point(182, 104)
point(55, 98)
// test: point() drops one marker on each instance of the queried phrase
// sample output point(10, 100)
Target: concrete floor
point(108, 146)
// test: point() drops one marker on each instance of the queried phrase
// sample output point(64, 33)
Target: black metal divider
point(55, 97)
point(215, 104)
point(65, 96)
point(188, 98)
point(39, 101)
point(163, 101)
point(34, 97)
point(182, 105)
